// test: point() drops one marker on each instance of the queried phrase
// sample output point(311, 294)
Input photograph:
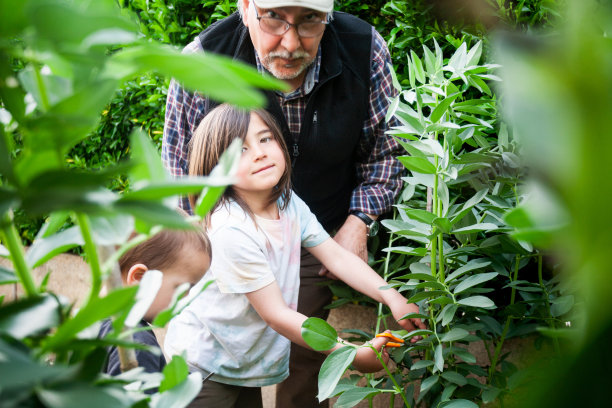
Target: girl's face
point(262, 163)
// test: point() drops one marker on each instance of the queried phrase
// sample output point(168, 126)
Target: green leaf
point(18, 369)
point(470, 266)
point(318, 334)
point(175, 372)
point(53, 224)
point(146, 159)
point(418, 164)
point(181, 298)
point(60, 190)
point(403, 228)
point(12, 17)
point(477, 301)
point(454, 377)
point(180, 395)
point(46, 248)
point(78, 395)
point(419, 276)
point(442, 107)
point(56, 131)
point(353, 396)
point(458, 403)
point(7, 276)
point(443, 224)
point(561, 305)
point(30, 316)
point(490, 394)
point(421, 364)
point(414, 316)
point(227, 166)
point(448, 313)
point(459, 60)
point(94, 311)
point(147, 291)
point(426, 295)
point(407, 250)
point(429, 382)
point(454, 334)
point(153, 213)
point(70, 26)
point(332, 369)
point(418, 332)
point(112, 229)
point(421, 215)
point(486, 226)
point(439, 358)
point(218, 77)
point(184, 185)
point(394, 80)
point(473, 281)
point(431, 285)
point(417, 67)
point(463, 354)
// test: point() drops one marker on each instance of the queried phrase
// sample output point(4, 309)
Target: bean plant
point(449, 247)
point(59, 67)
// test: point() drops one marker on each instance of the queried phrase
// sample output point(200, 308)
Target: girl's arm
point(357, 274)
point(269, 303)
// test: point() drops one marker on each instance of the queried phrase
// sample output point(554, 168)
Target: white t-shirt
point(220, 331)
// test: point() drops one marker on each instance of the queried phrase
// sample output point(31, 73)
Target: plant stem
point(385, 276)
point(42, 90)
point(434, 241)
point(397, 387)
point(11, 239)
point(551, 320)
point(92, 255)
point(440, 238)
point(507, 325)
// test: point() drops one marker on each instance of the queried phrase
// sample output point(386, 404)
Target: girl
point(241, 327)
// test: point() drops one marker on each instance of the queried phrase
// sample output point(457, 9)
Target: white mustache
point(288, 55)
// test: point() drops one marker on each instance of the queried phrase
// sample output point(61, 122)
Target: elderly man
point(338, 70)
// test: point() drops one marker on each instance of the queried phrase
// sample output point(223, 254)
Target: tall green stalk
point(11, 239)
point(92, 255)
point(500, 343)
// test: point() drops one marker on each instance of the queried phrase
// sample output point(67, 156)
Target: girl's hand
point(400, 309)
point(366, 360)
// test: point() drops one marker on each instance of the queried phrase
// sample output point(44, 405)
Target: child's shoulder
point(229, 216)
point(295, 204)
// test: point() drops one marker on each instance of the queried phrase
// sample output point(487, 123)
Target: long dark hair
point(213, 136)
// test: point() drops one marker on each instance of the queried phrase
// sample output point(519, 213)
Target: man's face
point(286, 56)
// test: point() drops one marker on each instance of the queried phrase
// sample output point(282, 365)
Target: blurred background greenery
point(556, 97)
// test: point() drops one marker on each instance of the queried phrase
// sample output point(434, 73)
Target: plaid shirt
point(379, 175)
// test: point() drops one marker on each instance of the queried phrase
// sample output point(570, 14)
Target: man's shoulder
point(345, 22)
point(220, 30)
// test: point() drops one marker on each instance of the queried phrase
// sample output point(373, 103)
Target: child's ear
point(136, 273)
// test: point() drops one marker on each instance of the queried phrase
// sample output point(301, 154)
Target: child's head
point(262, 143)
point(183, 256)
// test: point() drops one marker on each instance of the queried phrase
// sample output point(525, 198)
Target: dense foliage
point(56, 76)
point(451, 243)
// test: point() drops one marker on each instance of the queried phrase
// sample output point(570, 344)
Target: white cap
point(325, 6)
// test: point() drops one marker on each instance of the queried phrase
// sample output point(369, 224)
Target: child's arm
point(356, 273)
point(270, 305)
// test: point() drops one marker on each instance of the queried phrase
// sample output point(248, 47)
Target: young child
point(183, 256)
point(241, 327)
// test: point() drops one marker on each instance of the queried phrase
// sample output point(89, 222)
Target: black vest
point(325, 154)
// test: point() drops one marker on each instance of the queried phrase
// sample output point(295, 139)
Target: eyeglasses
point(278, 26)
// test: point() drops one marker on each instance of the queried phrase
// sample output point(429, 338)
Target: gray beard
point(269, 59)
